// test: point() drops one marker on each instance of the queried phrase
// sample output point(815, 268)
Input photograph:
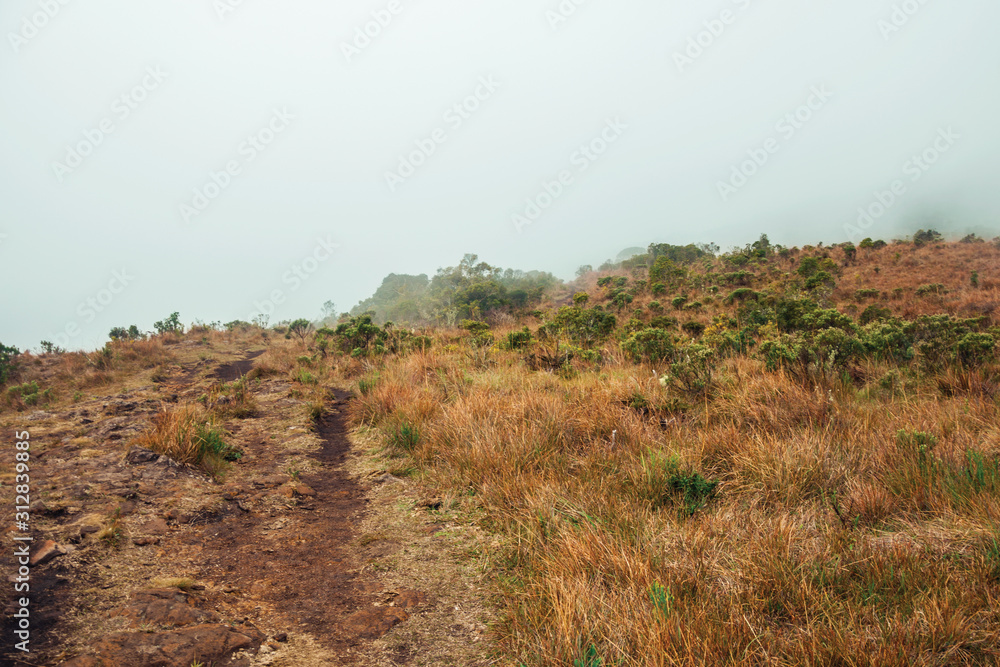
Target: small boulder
point(47, 552)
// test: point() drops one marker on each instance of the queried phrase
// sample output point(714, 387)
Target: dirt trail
point(301, 557)
point(306, 569)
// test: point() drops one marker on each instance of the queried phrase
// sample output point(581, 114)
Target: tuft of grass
point(182, 583)
point(188, 436)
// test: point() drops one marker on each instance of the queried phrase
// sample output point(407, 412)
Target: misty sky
point(204, 156)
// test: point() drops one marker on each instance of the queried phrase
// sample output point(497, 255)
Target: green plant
point(652, 345)
point(663, 600)
point(405, 437)
point(131, 333)
point(366, 385)
point(7, 362)
point(50, 348)
point(300, 327)
point(932, 288)
point(591, 658)
point(170, 324)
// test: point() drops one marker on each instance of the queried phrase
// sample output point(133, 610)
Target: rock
point(178, 516)
point(166, 607)
point(47, 552)
point(155, 526)
point(281, 637)
point(139, 455)
point(271, 481)
point(145, 540)
point(38, 507)
point(388, 478)
point(301, 489)
point(204, 644)
point(407, 598)
point(375, 622)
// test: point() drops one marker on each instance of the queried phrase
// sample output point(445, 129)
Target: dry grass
point(830, 539)
point(188, 435)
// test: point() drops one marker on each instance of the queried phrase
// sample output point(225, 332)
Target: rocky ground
point(303, 552)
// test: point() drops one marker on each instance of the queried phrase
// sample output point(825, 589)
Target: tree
point(171, 324)
point(300, 327)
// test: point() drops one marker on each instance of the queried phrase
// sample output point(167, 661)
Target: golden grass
point(830, 539)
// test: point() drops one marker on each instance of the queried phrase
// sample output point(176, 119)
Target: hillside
point(785, 456)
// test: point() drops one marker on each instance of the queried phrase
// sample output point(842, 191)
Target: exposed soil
point(236, 369)
point(285, 562)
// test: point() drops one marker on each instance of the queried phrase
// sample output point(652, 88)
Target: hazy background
point(324, 176)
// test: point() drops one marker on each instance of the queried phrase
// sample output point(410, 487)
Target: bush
point(932, 288)
point(121, 333)
point(691, 370)
point(740, 295)
point(518, 340)
point(300, 327)
point(974, 349)
point(171, 324)
point(7, 362)
point(873, 313)
point(652, 345)
point(862, 294)
point(678, 302)
point(821, 279)
point(694, 329)
point(924, 236)
point(28, 394)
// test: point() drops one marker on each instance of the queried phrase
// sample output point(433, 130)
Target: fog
point(223, 158)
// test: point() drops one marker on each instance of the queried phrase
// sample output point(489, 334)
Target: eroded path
point(285, 562)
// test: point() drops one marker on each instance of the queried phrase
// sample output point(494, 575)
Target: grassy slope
point(831, 538)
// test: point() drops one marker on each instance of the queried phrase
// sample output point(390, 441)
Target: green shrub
point(821, 279)
point(678, 302)
point(974, 349)
point(874, 313)
point(121, 333)
point(862, 294)
point(8, 362)
point(653, 345)
point(932, 288)
point(170, 324)
point(664, 482)
point(693, 328)
point(518, 340)
point(691, 369)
